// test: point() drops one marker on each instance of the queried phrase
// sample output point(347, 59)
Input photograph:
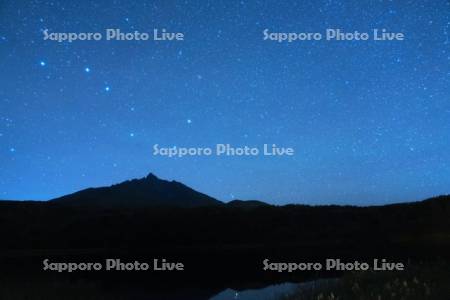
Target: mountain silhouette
point(247, 203)
point(145, 192)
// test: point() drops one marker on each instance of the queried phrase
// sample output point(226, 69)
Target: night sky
point(369, 120)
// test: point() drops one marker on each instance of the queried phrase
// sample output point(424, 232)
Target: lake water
point(272, 292)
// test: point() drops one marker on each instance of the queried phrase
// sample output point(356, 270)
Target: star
point(131, 134)
point(87, 70)
point(12, 149)
point(107, 88)
point(42, 63)
point(189, 121)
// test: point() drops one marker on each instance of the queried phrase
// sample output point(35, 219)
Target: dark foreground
point(427, 280)
point(220, 247)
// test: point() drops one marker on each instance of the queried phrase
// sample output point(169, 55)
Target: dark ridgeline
point(144, 192)
point(154, 213)
point(221, 245)
point(247, 203)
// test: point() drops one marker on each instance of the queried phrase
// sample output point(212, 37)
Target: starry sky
point(369, 120)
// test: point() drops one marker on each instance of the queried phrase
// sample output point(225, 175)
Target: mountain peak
point(144, 192)
point(151, 177)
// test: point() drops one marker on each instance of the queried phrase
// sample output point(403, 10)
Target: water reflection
point(268, 293)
